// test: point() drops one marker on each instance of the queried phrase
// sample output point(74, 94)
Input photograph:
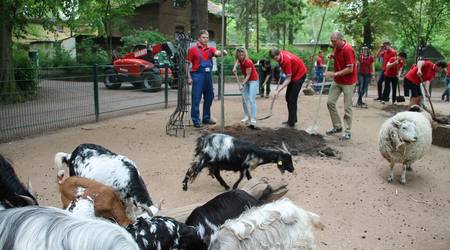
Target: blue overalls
point(202, 84)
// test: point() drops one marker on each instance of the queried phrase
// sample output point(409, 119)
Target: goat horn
point(284, 146)
point(27, 199)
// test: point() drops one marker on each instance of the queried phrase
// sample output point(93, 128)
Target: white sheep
point(405, 138)
point(277, 225)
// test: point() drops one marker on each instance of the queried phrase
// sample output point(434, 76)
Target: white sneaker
point(253, 121)
point(245, 119)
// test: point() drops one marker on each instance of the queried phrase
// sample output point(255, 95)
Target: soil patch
point(297, 141)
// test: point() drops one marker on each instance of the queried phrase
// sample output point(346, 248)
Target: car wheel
point(152, 81)
point(111, 80)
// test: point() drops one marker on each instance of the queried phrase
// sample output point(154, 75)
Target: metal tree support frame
point(180, 118)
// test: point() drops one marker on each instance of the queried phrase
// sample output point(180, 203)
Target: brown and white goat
point(106, 202)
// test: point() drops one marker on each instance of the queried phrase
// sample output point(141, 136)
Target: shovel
point(269, 114)
point(422, 88)
point(313, 129)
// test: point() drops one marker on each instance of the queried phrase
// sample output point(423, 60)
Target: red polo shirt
point(246, 64)
point(428, 73)
point(343, 57)
point(365, 64)
point(387, 54)
point(193, 56)
point(319, 62)
point(448, 69)
point(292, 65)
point(393, 70)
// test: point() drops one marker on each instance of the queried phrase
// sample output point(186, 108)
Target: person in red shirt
point(385, 53)
point(446, 94)
point(423, 72)
point(345, 77)
point(319, 67)
point(249, 85)
point(199, 66)
point(366, 69)
point(295, 71)
point(393, 68)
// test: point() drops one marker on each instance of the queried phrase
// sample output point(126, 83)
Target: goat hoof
point(184, 187)
point(409, 168)
point(403, 181)
point(390, 179)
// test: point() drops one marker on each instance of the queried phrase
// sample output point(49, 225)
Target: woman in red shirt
point(366, 69)
point(249, 85)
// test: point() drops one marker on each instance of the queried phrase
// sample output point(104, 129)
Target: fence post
point(219, 81)
point(166, 85)
point(96, 103)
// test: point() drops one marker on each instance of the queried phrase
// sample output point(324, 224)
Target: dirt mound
point(297, 141)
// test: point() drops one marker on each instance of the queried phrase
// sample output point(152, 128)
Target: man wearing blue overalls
point(200, 76)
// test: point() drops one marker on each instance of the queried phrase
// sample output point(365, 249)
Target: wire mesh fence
point(47, 99)
point(68, 96)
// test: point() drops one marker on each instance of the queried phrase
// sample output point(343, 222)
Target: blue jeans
point(202, 85)
point(446, 93)
point(363, 85)
point(319, 74)
point(249, 95)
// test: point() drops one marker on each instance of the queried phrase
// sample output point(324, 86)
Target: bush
point(140, 36)
point(25, 73)
point(89, 53)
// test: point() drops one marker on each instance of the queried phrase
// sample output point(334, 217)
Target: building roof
point(431, 53)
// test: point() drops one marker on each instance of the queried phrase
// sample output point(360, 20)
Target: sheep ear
point(396, 123)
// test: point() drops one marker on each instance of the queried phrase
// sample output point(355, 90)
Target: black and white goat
point(12, 192)
point(100, 164)
point(44, 228)
point(210, 216)
point(223, 152)
point(163, 233)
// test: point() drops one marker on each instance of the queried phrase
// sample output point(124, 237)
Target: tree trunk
point(246, 33)
point(8, 88)
point(199, 16)
point(257, 25)
point(367, 26)
point(291, 34)
point(107, 26)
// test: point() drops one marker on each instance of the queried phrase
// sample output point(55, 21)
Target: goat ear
point(396, 123)
point(21, 201)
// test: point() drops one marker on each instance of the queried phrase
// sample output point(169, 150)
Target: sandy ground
point(358, 207)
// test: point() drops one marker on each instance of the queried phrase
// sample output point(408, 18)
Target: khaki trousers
point(333, 95)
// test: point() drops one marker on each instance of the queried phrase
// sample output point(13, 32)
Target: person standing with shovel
point(295, 71)
point(345, 77)
point(249, 86)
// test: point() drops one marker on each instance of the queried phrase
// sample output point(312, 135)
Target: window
point(179, 3)
point(211, 34)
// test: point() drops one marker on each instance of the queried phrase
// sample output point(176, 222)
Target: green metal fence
point(63, 97)
point(46, 99)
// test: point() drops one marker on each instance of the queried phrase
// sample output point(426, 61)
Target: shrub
point(89, 53)
point(25, 74)
point(140, 36)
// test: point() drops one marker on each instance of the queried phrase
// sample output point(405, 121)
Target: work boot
point(333, 131)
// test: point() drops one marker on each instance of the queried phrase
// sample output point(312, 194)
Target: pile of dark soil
point(297, 141)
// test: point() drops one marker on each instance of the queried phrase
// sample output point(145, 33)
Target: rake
point(313, 129)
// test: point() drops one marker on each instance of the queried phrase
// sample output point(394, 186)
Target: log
point(441, 135)
point(262, 189)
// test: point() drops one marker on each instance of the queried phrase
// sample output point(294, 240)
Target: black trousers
point(388, 83)
point(380, 85)
point(293, 89)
